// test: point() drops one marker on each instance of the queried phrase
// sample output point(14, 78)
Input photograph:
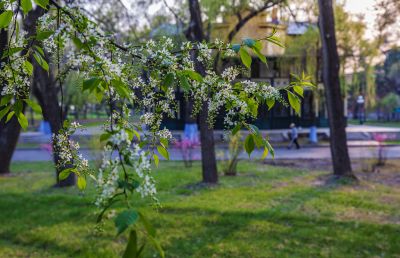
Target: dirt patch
point(308, 164)
point(6, 175)
point(389, 174)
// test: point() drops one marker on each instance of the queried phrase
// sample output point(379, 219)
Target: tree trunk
point(46, 92)
point(337, 123)
point(9, 132)
point(208, 159)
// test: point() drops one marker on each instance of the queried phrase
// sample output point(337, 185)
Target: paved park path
point(320, 152)
point(361, 145)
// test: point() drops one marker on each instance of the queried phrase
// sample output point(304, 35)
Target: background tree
point(389, 103)
point(388, 77)
point(208, 159)
point(331, 64)
point(9, 132)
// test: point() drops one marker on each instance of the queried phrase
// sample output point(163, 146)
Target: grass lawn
point(266, 211)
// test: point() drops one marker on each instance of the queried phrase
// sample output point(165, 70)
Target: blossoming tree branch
point(145, 76)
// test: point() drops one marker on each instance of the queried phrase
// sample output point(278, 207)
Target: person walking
point(293, 136)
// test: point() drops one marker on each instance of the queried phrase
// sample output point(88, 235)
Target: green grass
point(264, 212)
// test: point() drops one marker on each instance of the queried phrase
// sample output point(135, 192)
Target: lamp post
point(360, 102)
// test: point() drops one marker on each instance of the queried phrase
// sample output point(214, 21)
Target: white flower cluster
point(219, 44)
point(230, 73)
point(107, 180)
point(14, 70)
point(204, 53)
point(68, 150)
point(121, 137)
point(64, 148)
point(142, 168)
point(165, 134)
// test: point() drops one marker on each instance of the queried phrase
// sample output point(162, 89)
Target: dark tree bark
point(337, 123)
point(44, 88)
point(208, 159)
point(9, 132)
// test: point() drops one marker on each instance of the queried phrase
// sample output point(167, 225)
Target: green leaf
point(299, 90)
point(184, 83)
point(265, 153)
point(78, 43)
point(270, 103)
point(11, 51)
point(22, 120)
point(236, 129)
point(18, 106)
point(249, 144)
point(275, 40)
point(245, 57)
point(91, 84)
point(4, 111)
point(236, 47)
point(5, 100)
point(163, 151)
point(39, 49)
point(168, 81)
point(157, 245)
point(136, 133)
point(5, 19)
point(81, 182)
point(121, 88)
point(149, 228)
point(35, 106)
point(260, 55)
point(193, 75)
point(131, 249)
point(125, 219)
point(269, 147)
point(66, 123)
point(254, 130)
point(105, 137)
point(257, 137)
point(64, 174)
point(9, 116)
point(164, 142)
point(42, 3)
point(99, 95)
point(294, 102)
point(44, 34)
point(26, 6)
point(156, 159)
point(249, 42)
point(28, 67)
point(130, 133)
point(40, 60)
point(253, 106)
point(258, 45)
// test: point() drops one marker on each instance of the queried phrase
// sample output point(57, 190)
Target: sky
point(365, 7)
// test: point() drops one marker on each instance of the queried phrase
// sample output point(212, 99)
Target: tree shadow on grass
point(304, 235)
point(29, 221)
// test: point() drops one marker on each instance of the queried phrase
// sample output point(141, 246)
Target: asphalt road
point(392, 152)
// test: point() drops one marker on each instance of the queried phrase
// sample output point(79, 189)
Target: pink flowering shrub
point(187, 146)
